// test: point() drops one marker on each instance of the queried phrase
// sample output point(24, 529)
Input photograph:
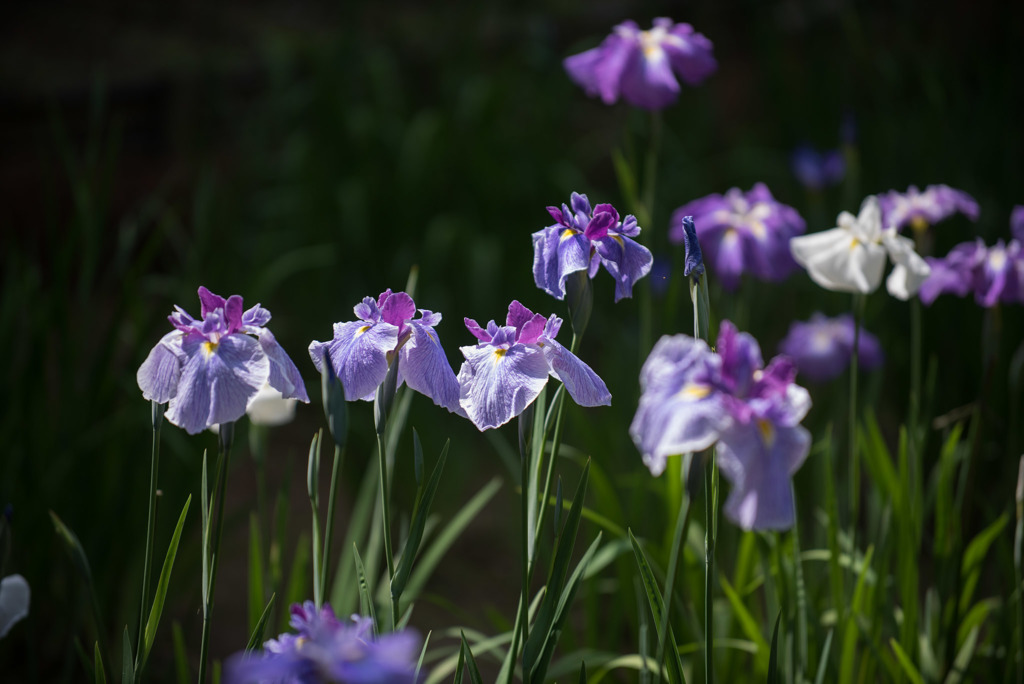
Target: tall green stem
point(854, 464)
point(386, 520)
point(339, 457)
point(223, 457)
point(709, 568)
point(682, 522)
point(154, 466)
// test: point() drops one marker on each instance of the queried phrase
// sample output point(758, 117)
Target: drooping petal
point(425, 368)
point(217, 382)
point(582, 68)
point(159, 373)
point(759, 459)
point(838, 261)
point(573, 255)
point(269, 407)
point(647, 80)
point(665, 425)
point(359, 356)
point(617, 51)
point(910, 270)
point(584, 385)
point(496, 384)
point(626, 260)
point(15, 597)
point(284, 376)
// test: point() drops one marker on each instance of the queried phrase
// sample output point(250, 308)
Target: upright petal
point(209, 302)
point(284, 376)
point(496, 384)
point(397, 308)
point(159, 373)
point(584, 385)
point(425, 368)
point(217, 382)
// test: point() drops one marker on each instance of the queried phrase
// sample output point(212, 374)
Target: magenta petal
point(233, 313)
point(397, 309)
point(477, 331)
point(209, 302)
point(600, 225)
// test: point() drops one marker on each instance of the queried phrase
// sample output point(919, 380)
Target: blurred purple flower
point(742, 233)
point(822, 347)
point(922, 209)
point(362, 350)
point(582, 240)
point(510, 365)
point(209, 370)
point(642, 66)
point(995, 274)
point(692, 398)
point(817, 170)
point(325, 649)
point(1017, 223)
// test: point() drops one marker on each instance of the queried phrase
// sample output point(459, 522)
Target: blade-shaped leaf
point(419, 521)
point(100, 672)
point(256, 572)
point(474, 671)
point(127, 659)
point(657, 603)
point(365, 593)
point(160, 597)
point(257, 633)
point(774, 676)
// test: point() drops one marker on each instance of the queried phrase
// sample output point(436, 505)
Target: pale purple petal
point(284, 376)
point(741, 356)
point(359, 356)
point(217, 382)
point(425, 368)
point(626, 260)
point(1017, 223)
point(582, 383)
point(159, 374)
point(497, 384)
point(759, 459)
point(256, 317)
point(648, 81)
point(482, 334)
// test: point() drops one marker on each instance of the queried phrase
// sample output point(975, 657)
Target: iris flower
point(209, 370)
point(326, 649)
point(510, 365)
point(742, 232)
point(822, 347)
point(643, 66)
point(851, 257)
point(692, 398)
point(817, 170)
point(362, 350)
point(994, 274)
point(584, 238)
point(922, 209)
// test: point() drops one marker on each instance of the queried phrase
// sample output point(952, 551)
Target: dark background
point(307, 154)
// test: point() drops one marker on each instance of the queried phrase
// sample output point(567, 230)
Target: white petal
point(869, 220)
point(837, 261)
point(269, 407)
point(14, 600)
point(910, 269)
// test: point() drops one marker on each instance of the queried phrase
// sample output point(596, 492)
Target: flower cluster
point(994, 274)
point(509, 366)
point(851, 257)
point(742, 232)
point(209, 370)
point(386, 332)
point(693, 398)
point(922, 209)
point(584, 238)
point(642, 66)
point(817, 170)
point(822, 347)
point(325, 649)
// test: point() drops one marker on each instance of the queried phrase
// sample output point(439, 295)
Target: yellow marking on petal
point(209, 348)
point(758, 229)
point(758, 374)
point(498, 354)
point(618, 238)
point(567, 233)
point(693, 391)
point(730, 236)
point(767, 431)
point(362, 330)
point(919, 223)
point(854, 244)
point(300, 642)
point(997, 259)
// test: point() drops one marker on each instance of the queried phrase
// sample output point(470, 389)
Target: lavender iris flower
point(922, 209)
point(1017, 223)
point(209, 370)
point(995, 274)
point(742, 233)
point(817, 170)
point(582, 240)
point(325, 649)
point(362, 350)
point(642, 66)
point(510, 365)
point(693, 398)
point(822, 347)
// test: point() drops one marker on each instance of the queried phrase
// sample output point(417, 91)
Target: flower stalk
point(226, 437)
point(157, 412)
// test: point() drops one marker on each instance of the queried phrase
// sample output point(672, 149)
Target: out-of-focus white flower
point(269, 407)
point(14, 600)
point(851, 256)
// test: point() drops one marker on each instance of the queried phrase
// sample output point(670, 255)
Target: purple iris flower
point(692, 398)
point(642, 66)
point(326, 649)
point(822, 347)
point(922, 209)
point(582, 240)
point(209, 370)
point(362, 350)
point(995, 274)
point(509, 366)
point(742, 232)
point(817, 170)
point(1017, 223)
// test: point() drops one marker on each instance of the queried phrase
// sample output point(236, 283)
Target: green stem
point(339, 457)
point(682, 522)
point(914, 443)
point(223, 457)
point(386, 521)
point(709, 569)
point(147, 564)
point(523, 632)
point(853, 464)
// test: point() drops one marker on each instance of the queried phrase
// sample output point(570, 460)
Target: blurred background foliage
point(307, 154)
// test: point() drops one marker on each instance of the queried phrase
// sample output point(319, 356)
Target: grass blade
point(419, 521)
point(261, 624)
point(474, 671)
point(365, 593)
point(100, 673)
point(774, 677)
point(905, 662)
point(654, 598)
point(127, 659)
point(748, 624)
point(256, 573)
point(160, 596)
point(819, 678)
point(181, 670)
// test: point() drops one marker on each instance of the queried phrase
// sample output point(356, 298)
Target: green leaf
point(423, 653)
point(748, 624)
point(257, 633)
point(365, 593)
point(583, 673)
point(256, 573)
point(297, 590)
point(975, 555)
point(905, 662)
point(846, 661)
point(160, 597)
point(419, 521)
point(81, 562)
point(654, 598)
point(474, 671)
point(100, 672)
point(458, 667)
point(181, 669)
point(417, 458)
point(774, 676)
point(977, 615)
point(127, 660)
point(819, 678)
point(204, 500)
point(963, 658)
